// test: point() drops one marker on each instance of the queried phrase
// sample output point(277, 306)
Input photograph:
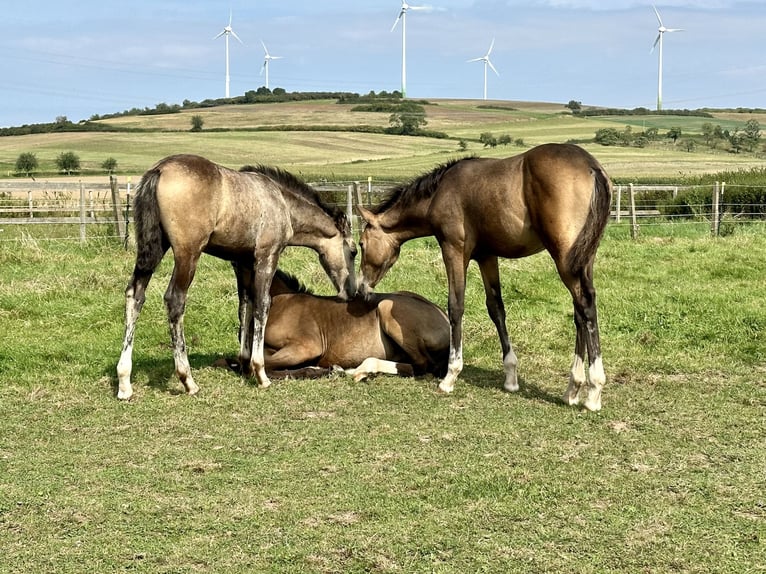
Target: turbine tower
point(403, 17)
point(266, 59)
point(661, 32)
point(487, 63)
point(226, 32)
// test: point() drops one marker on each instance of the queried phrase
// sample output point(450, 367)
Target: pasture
point(388, 475)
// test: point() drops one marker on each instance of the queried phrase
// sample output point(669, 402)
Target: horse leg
point(135, 295)
point(586, 323)
point(373, 365)
point(244, 274)
point(175, 301)
point(490, 275)
point(263, 271)
point(456, 267)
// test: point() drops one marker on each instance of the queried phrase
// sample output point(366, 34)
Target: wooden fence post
point(29, 202)
point(116, 206)
point(350, 206)
point(618, 203)
point(82, 213)
point(633, 222)
point(714, 223)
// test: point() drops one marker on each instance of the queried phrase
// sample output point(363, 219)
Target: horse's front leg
point(456, 267)
point(490, 274)
point(263, 274)
point(244, 274)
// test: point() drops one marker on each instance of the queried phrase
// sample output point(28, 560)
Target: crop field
point(352, 155)
point(388, 475)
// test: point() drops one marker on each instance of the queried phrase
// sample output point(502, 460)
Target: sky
point(95, 57)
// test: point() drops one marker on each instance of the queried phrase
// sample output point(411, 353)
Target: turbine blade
point(658, 14)
point(265, 49)
point(492, 45)
point(397, 20)
point(233, 33)
point(219, 35)
point(657, 41)
point(674, 29)
point(493, 68)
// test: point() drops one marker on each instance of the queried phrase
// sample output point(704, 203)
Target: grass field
point(388, 475)
point(346, 156)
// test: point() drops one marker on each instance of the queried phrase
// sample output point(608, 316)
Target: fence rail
point(107, 203)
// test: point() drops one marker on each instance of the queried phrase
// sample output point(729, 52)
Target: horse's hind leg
point(135, 295)
point(175, 301)
point(490, 275)
point(586, 323)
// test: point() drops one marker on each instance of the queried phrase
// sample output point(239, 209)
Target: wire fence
point(79, 211)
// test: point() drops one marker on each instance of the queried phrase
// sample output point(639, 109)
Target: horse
point(555, 197)
point(191, 205)
point(308, 335)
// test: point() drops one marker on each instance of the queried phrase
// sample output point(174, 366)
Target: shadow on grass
point(493, 379)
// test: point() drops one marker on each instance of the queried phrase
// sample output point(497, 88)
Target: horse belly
point(352, 341)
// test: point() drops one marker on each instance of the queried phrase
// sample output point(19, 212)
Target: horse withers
point(555, 197)
point(193, 206)
point(308, 335)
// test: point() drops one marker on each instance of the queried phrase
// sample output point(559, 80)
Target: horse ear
point(367, 215)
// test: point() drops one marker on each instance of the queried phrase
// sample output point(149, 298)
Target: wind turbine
point(487, 62)
point(403, 17)
point(266, 59)
point(226, 32)
point(661, 32)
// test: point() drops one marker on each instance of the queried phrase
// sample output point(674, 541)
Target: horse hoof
point(511, 387)
point(124, 395)
point(445, 388)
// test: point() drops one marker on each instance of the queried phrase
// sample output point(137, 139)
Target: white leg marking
point(370, 366)
point(455, 366)
point(509, 366)
point(576, 381)
point(597, 380)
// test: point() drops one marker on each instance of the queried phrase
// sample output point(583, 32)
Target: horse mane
point(291, 282)
point(417, 189)
point(297, 186)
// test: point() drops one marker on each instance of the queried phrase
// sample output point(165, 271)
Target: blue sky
point(96, 57)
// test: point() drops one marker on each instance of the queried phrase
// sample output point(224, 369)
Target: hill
point(324, 140)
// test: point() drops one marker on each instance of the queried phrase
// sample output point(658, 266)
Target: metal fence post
point(82, 213)
point(633, 222)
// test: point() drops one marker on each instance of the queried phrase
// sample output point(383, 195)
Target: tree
point(26, 163)
point(68, 162)
point(197, 122)
point(504, 140)
point(488, 139)
point(751, 134)
point(575, 106)
point(607, 136)
point(674, 134)
point(110, 165)
point(408, 119)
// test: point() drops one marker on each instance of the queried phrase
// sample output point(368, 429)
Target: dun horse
point(308, 335)
point(554, 196)
point(194, 206)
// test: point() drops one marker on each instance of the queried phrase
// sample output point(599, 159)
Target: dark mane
point(290, 182)
point(422, 187)
point(291, 282)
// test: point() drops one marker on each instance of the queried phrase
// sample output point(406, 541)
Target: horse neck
point(311, 224)
point(405, 223)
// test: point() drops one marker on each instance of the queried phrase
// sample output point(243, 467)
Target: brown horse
point(310, 335)
point(195, 206)
point(554, 196)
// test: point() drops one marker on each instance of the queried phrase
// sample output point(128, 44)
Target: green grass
point(390, 476)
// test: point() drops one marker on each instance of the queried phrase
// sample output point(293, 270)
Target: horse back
point(209, 206)
point(517, 206)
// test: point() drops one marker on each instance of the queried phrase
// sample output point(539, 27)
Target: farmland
point(388, 475)
point(350, 155)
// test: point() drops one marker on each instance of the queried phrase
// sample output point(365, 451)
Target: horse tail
point(151, 241)
point(583, 251)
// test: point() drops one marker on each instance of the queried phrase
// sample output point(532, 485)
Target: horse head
point(379, 252)
point(337, 259)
